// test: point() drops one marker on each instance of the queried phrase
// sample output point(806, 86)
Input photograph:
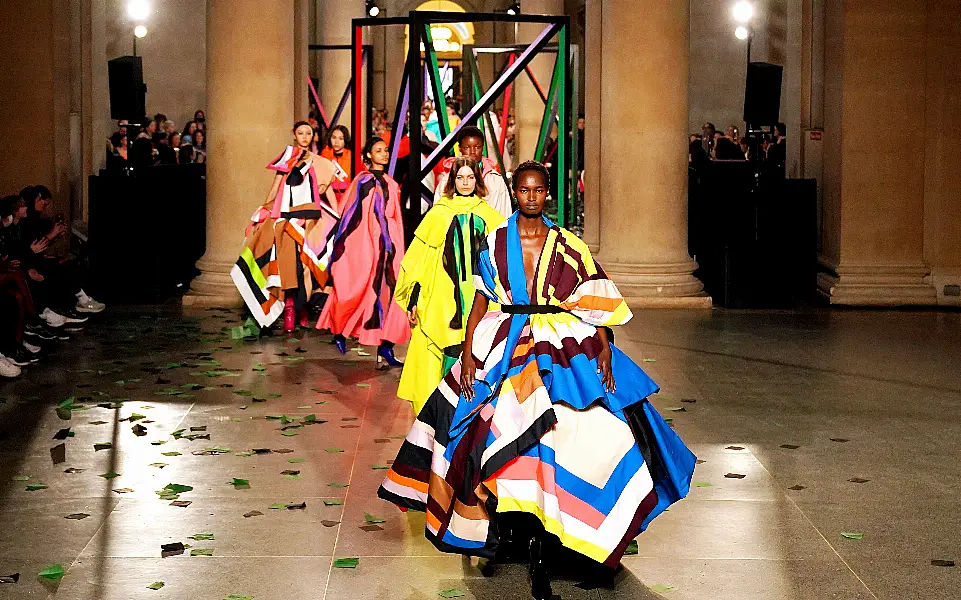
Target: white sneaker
point(31, 348)
point(7, 368)
point(90, 306)
point(52, 319)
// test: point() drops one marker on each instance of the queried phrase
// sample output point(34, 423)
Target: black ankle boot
point(513, 546)
point(539, 572)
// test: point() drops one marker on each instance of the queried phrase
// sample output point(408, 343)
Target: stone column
point(333, 66)
point(528, 107)
point(873, 242)
point(643, 178)
point(250, 107)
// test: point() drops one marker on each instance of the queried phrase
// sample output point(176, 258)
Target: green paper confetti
point(346, 563)
point(172, 453)
point(240, 483)
point(380, 467)
point(156, 585)
point(852, 536)
point(20, 478)
point(53, 572)
point(701, 484)
point(363, 385)
point(296, 460)
point(201, 536)
point(333, 502)
point(452, 593)
point(631, 548)
point(662, 588)
point(333, 450)
point(201, 552)
point(109, 475)
point(373, 520)
point(36, 487)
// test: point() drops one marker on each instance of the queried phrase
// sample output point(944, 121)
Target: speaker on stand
point(128, 94)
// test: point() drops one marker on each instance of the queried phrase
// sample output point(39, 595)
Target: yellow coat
point(437, 276)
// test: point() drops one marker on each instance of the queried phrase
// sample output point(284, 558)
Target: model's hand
point(40, 245)
point(604, 369)
point(33, 274)
point(58, 230)
point(468, 371)
point(412, 316)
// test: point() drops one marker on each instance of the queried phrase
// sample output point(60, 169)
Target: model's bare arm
point(468, 369)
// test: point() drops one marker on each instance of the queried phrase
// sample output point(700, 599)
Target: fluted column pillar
point(250, 108)
point(643, 166)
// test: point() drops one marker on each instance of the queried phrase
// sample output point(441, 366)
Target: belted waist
point(531, 309)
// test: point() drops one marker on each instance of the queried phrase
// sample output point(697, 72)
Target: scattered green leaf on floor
point(363, 385)
point(333, 450)
point(380, 467)
point(201, 536)
point(155, 585)
point(289, 433)
point(701, 484)
point(178, 488)
point(245, 453)
point(278, 506)
point(53, 572)
point(451, 593)
point(157, 465)
point(307, 407)
point(124, 490)
point(102, 446)
point(373, 520)
point(136, 417)
point(333, 502)
point(171, 453)
point(201, 552)
point(238, 597)
point(346, 563)
point(20, 478)
point(240, 484)
point(631, 548)
point(663, 588)
point(109, 475)
point(851, 535)
point(296, 460)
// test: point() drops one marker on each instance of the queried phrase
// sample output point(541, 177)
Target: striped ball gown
point(542, 435)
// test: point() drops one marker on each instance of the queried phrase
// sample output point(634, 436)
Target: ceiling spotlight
point(743, 11)
point(138, 9)
point(372, 8)
point(741, 32)
point(140, 31)
point(514, 9)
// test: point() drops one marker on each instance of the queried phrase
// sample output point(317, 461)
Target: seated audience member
point(200, 146)
point(165, 154)
point(62, 278)
point(117, 159)
point(189, 129)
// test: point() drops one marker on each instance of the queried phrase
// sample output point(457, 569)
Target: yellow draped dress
point(437, 276)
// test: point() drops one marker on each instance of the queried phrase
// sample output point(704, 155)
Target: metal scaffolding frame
point(559, 102)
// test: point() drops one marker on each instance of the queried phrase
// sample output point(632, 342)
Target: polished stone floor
point(839, 421)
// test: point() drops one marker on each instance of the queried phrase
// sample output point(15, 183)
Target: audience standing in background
point(200, 146)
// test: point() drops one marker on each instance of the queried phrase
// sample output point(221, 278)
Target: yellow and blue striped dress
point(542, 435)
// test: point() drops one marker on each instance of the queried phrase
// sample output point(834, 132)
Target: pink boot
point(290, 316)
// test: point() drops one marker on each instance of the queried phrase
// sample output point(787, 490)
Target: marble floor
point(840, 421)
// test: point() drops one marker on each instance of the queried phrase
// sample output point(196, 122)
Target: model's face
point(379, 155)
point(303, 135)
point(40, 205)
point(465, 181)
point(531, 192)
point(337, 140)
point(473, 147)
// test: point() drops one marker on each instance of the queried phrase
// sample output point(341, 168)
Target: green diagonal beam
point(440, 102)
point(546, 121)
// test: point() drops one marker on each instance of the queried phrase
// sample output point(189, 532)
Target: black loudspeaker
point(128, 94)
point(762, 94)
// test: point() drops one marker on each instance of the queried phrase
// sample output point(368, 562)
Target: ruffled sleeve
point(280, 164)
point(596, 300)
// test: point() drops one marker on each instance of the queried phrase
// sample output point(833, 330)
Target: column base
point(214, 287)
point(664, 285)
point(877, 285)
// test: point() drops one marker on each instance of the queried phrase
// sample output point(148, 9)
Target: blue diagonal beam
point(397, 130)
point(488, 98)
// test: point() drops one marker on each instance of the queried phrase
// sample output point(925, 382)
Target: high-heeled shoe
point(341, 342)
point(290, 315)
point(386, 354)
point(540, 575)
point(302, 318)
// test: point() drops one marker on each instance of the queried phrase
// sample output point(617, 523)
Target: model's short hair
point(530, 166)
point(469, 131)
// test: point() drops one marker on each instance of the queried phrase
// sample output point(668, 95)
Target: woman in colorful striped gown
point(436, 283)
point(365, 260)
point(546, 417)
point(284, 257)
